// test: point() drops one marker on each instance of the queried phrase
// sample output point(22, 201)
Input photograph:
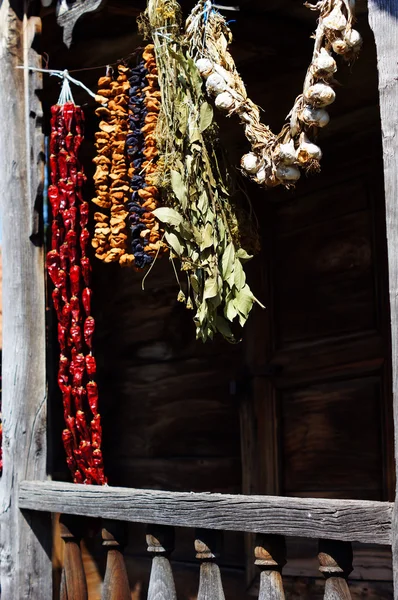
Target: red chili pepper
point(91, 365)
point(78, 368)
point(81, 179)
point(92, 396)
point(77, 140)
point(84, 212)
point(67, 400)
point(53, 168)
point(86, 452)
point(54, 142)
point(76, 335)
point(97, 457)
point(102, 480)
point(64, 256)
point(57, 235)
point(72, 168)
point(54, 199)
point(67, 439)
point(69, 141)
point(75, 309)
point(81, 425)
point(79, 395)
point(65, 315)
point(86, 269)
point(86, 300)
point(63, 366)
point(84, 239)
point(56, 296)
point(89, 327)
point(69, 110)
point(61, 284)
point(96, 431)
point(53, 263)
point(63, 381)
point(62, 341)
point(78, 477)
point(62, 164)
point(74, 276)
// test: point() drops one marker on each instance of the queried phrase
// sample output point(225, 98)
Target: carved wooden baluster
point(73, 578)
point(160, 540)
point(116, 583)
point(270, 553)
point(208, 546)
point(335, 559)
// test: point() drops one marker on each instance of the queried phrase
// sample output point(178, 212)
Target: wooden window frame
point(26, 498)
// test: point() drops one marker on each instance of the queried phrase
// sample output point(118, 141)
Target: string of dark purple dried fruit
point(70, 271)
point(144, 106)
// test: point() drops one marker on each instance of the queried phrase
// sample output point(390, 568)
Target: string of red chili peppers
point(70, 271)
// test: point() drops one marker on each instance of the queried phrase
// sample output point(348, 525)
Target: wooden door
point(320, 362)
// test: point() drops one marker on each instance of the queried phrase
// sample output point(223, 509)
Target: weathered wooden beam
point(68, 15)
point(349, 520)
point(25, 555)
point(383, 18)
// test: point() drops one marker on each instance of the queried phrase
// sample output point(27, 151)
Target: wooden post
point(335, 559)
point(383, 18)
point(116, 583)
point(160, 540)
point(208, 546)
point(25, 539)
point(73, 579)
point(270, 553)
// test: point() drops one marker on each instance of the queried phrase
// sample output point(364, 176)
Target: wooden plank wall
point(170, 420)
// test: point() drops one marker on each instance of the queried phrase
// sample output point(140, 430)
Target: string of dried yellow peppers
point(70, 271)
point(275, 158)
point(125, 163)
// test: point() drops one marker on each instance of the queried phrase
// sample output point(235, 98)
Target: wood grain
point(116, 583)
point(270, 554)
point(335, 559)
point(383, 21)
point(73, 578)
point(68, 17)
point(25, 540)
point(350, 520)
point(160, 540)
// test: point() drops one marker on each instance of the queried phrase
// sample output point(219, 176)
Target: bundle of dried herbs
point(200, 223)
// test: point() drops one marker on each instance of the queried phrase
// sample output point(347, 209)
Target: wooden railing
point(335, 522)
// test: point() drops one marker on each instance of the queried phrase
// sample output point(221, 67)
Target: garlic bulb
point(307, 151)
point(340, 46)
point(205, 66)
point(261, 175)
point(324, 62)
point(320, 94)
point(250, 163)
point(315, 116)
point(286, 153)
point(228, 78)
point(215, 84)
point(224, 101)
point(287, 174)
point(353, 39)
point(335, 21)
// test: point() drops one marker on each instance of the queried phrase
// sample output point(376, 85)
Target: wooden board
point(383, 19)
point(25, 563)
point(349, 520)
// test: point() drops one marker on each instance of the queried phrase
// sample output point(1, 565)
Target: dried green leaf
point(211, 288)
point(243, 255)
point(168, 215)
point(178, 187)
point(206, 116)
point(227, 264)
point(174, 242)
point(239, 275)
point(207, 237)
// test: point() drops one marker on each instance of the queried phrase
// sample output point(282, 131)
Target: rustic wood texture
point(350, 520)
point(270, 555)
point(383, 20)
point(160, 541)
point(208, 547)
point(25, 540)
point(116, 583)
point(335, 559)
point(73, 578)
point(67, 18)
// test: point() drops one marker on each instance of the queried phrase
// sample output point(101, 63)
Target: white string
point(66, 93)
